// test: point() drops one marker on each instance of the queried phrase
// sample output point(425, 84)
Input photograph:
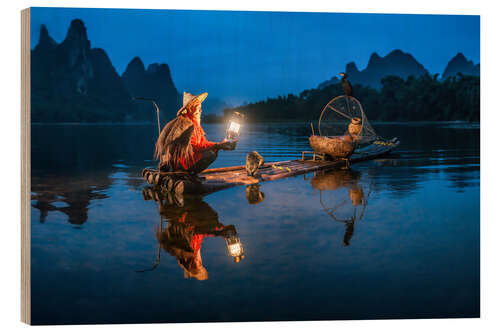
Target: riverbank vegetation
point(424, 98)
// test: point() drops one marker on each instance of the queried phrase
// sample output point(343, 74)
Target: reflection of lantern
point(233, 126)
point(234, 246)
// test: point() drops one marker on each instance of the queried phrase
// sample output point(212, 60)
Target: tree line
point(424, 98)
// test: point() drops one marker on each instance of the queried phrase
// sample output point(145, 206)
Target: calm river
point(396, 237)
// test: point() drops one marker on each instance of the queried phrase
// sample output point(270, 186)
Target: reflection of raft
point(334, 180)
point(213, 180)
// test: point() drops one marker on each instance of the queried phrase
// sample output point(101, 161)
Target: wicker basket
point(355, 127)
point(356, 194)
point(337, 146)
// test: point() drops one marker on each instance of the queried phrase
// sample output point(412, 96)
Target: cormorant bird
point(253, 162)
point(346, 85)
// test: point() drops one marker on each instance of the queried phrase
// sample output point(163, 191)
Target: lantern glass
point(234, 126)
point(235, 250)
point(234, 246)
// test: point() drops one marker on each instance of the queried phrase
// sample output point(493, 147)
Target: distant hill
point(459, 64)
point(393, 88)
point(213, 105)
point(396, 63)
point(399, 63)
point(154, 82)
point(71, 81)
point(324, 84)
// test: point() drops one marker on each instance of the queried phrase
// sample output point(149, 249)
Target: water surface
point(397, 237)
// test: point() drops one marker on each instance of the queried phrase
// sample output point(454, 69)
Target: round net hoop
point(338, 115)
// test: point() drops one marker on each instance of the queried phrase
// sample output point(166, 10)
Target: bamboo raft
point(212, 180)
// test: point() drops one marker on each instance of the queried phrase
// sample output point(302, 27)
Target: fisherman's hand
point(229, 230)
point(226, 145)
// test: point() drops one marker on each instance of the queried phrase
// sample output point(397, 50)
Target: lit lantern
point(234, 126)
point(234, 246)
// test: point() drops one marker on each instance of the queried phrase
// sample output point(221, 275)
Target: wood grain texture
point(25, 167)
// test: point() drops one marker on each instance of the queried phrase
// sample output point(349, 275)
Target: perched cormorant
point(253, 162)
point(346, 85)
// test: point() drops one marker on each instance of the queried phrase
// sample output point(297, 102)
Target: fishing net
point(342, 115)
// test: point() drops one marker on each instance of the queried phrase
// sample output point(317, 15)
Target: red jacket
point(199, 143)
point(197, 239)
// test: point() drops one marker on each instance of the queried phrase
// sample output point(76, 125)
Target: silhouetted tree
point(423, 98)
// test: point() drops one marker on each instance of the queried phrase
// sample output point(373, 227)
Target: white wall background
point(490, 185)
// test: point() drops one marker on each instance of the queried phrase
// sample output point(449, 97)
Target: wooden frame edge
point(25, 166)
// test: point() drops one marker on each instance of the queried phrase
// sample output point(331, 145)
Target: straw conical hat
point(188, 98)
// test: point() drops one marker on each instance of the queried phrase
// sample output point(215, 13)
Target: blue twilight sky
point(248, 56)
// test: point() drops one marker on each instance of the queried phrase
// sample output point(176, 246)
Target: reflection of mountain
point(73, 152)
point(72, 165)
point(73, 149)
point(75, 195)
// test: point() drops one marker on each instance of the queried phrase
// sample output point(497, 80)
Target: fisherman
point(182, 145)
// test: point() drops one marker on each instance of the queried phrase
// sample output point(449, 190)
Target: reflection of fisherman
point(182, 145)
point(187, 228)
